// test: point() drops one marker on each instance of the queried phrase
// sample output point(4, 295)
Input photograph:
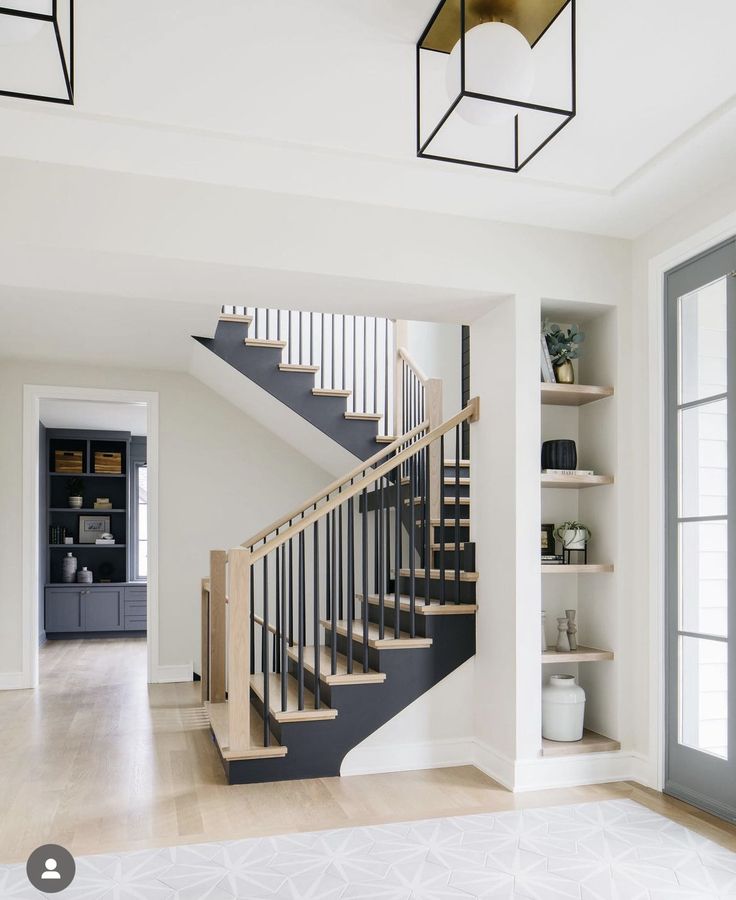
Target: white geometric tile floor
point(610, 850)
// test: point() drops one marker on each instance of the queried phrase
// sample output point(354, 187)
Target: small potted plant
point(75, 487)
point(573, 535)
point(564, 346)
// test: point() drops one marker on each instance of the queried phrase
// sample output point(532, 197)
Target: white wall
point(437, 349)
point(222, 476)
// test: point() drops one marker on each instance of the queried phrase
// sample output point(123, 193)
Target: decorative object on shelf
point(106, 570)
point(552, 559)
point(69, 568)
point(568, 472)
point(547, 542)
point(108, 462)
point(58, 535)
point(75, 489)
point(479, 102)
point(574, 537)
point(559, 454)
point(563, 709)
point(92, 527)
point(548, 373)
point(563, 642)
point(46, 29)
point(68, 462)
point(102, 503)
point(572, 629)
point(105, 538)
point(564, 346)
point(84, 576)
point(68, 540)
point(544, 634)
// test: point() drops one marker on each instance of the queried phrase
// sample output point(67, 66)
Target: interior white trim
point(171, 674)
point(32, 396)
point(679, 253)
point(372, 759)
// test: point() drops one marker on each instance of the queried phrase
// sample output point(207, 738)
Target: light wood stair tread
point(573, 569)
point(433, 608)
point(331, 392)
point(435, 573)
point(453, 462)
point(297, 367)
point(364, 416)
point(385, 438)
point(582, 654)
point(387, 642)
point(461, 501)
point(449, 547)
point(464, 482)
point(218, 716)
point(575, 481)
point(234, 317)
point(264, 342)
point(590, 743)
point(358, 676)
point(449, 523)
point(292, 713)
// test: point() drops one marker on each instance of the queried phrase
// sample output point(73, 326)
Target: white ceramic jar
point(563, 709)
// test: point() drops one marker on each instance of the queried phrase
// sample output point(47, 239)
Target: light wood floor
point(98, 761)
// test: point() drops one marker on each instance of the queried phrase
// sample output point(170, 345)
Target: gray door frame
point(700, 778)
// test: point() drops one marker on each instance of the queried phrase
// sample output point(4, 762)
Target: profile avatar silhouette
point(50, 866)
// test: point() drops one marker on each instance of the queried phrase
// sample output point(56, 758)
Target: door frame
point(696, 244)
point(33, 394)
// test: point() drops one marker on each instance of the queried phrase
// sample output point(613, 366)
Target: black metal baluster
point(344, 354)
point(277, 633)
point(315, 612)
point(328, 570)
point(333, 641)
point(364, 569)
point(397, 555)
point(291, 590)
point(457, 514)
point(380, 548)
point(300, 663)
point(341, 583)
point(375, 364)
point(278, 324)
point(311, 339)
point(268, 324)
point(355, 364)
point(351, 582)
point(322, 350)
point(284, 651)
point(385, 383)
point(442, 520)
point(301, 337)
point(333, 383)
point(252, 623)
point(365, 364)
point(255, 320)
point(412, 548)
point(264, 659)
point(427, 494)
point(290, 352)
point(376, 517)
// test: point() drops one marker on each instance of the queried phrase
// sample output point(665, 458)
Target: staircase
point(331, 620)
point(335, 371)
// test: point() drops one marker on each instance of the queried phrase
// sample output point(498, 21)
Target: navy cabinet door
point(103, 609)
point(64, 611)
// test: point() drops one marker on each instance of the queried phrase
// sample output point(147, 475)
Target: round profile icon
point(51, 868)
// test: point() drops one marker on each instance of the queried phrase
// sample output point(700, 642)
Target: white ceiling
point(317, 97)
point(95, 416)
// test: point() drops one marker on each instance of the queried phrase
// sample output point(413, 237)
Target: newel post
point(433, 409)
point(217, 626)
point(238, 649)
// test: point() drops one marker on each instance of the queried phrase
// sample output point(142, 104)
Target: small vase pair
point(567, 632)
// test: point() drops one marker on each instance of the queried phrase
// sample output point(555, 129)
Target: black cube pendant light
point(495, 80)
point(37, 50)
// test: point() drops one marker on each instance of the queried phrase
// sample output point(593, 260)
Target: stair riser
point(467, 558)
point(449, 510)
point(451, 534)
point(448, 490)
point(421, 623)
point(467, 589)
point(449, 471)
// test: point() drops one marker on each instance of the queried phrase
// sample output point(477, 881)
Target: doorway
point(700, 511)
point(90, 501)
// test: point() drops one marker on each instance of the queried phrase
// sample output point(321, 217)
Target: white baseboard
point(493, 764)
point(172, 674)
point(573, 771)
point(371, 760)
point(12, 681)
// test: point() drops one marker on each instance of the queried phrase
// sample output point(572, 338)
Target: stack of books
point(102, 540)
point(568, 472)
point(57, 534)
point(551, 559)
point(548, 372)
point(103, 503)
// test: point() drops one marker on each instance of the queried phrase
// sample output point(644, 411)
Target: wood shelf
point(82, 546)
point(575, 481)
point(85, 475)
point(573, 394)
point(85, 509)
point(589, 569)
point(590, 743)
point(582, 654)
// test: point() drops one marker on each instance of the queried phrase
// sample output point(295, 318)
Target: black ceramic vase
point(559, 455)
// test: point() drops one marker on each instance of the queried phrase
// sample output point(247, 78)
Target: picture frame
point(91, 527)
point(547, 540)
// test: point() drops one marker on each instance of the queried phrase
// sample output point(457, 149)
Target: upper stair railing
point(304, 584)
point(354, 354)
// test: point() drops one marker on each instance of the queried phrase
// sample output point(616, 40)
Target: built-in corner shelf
point(582, 654)
point(86, 509)
point(589, 569)
point(590, 743)
point(575, 481)
point(573, 394)
point(84, 546)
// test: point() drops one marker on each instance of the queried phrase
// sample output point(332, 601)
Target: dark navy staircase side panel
point(294, 389)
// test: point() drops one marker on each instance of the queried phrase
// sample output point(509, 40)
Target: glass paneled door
point(701, 531)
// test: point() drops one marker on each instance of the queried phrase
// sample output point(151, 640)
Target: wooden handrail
point(470, 414)
point(404, 354)
point(338, 482)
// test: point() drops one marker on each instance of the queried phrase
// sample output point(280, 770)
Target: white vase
point(75, 502)
point(574, 539)
point(563, 709)
point(69, 569)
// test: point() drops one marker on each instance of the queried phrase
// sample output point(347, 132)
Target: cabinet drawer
point(136, 608)
point(136, 623)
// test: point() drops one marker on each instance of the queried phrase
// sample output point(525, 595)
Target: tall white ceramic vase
point(563, 709)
